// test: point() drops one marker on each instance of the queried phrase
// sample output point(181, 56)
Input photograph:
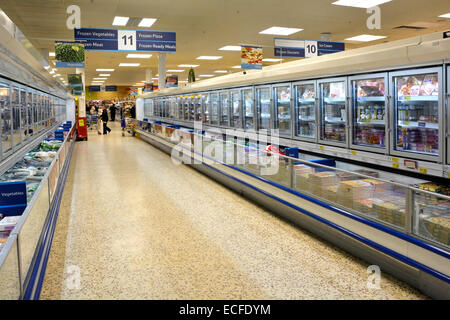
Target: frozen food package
point(337, 90)
point(430, 86)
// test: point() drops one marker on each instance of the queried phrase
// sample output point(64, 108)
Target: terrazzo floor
point(133, 225)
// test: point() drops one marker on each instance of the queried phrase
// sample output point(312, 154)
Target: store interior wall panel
point(9, 271)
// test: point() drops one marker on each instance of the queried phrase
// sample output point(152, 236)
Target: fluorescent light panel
point(221, 71)
point(129, 65)
point(188, 65)
point(231, 48)
point(51, 54)
point(120, 21)
point(175, 70)
point(138, 55)
point(365, 38)
point(236, 67)
point(206, 75)
point(209, 58)
point(146, 22)
point(360, 3)
point(447, 15)
point(271, 60)
point(280, 31)
point(104, 69)
point(100, 78)
point(104, 74)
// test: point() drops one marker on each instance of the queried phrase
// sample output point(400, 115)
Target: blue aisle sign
point(13, 198)
point(126, 40)
point(110, 88)
point(298, 48)
point(94, 88)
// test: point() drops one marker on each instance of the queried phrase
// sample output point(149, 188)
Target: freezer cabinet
point(283, 103)
point(368, 114)
point(417, 109)
point(249, 108)
point(236, 109)
point(333, 111)
point(306, 110)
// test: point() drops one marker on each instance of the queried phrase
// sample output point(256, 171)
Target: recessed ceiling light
point(447, 15)
point(365, 38)
point(209, 58)
point(280, 31)
point(146, 22)
point(104, 69)
point(47, 67)
point(175, 70)
point(104, 74)
point(51, 54)
point(129, 65)
point(271, 60)
point(236, 67)
point(221, 71)
point(231, 48)
point(100, 78)
point(188, 65)
point(139, 55)
point(360, 3)
point(120, 21)
point(154, 78)
point(206, 75)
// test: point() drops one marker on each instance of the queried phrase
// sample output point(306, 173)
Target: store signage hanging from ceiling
point(75, 82)
point(126, 40)
point(69, 54)
point(251, 57)
point(148, 87)
point(172, 81)
point(298, 48)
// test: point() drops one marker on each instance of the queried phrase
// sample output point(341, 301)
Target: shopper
point(106, 129)
point(113, 112)
point(133, 112)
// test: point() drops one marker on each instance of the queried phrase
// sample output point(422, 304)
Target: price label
point(321, 148)
point(423, 170)
point(448, 174)
point(354, 153)
point(395, 165)
point(395, 160)
point(127, 40)
point(310, 49)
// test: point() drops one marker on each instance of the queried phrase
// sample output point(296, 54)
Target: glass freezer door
point(186, 108)
point(180, 108)
point(416, 110)
point(198, 108)
point(5, 113)
point(215, 108)
point(16, 116)
point(236, 109)
point(23, 115)
point(248, 108)
point(192, 101)
point(206, 105)
point(333, 112)
point(283, 109)
point(369, 112)
point(264, 108)
point(305, 110)
point(225, 107)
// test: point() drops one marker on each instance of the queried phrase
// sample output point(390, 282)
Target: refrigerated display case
point(264, 108)
point(417, 113)
point(215, 108)
point(15, 102)
point(447, 115)
point(30, 112)
point(186, 105)
point(23, 115)
point(236, 109)
point(368, 113)
point(180, 107)
point(282, 108)
point(173, 107)
point(206, 107)
point(333, 111)
point(225, 108)
point(306, 110)
point(249, 107)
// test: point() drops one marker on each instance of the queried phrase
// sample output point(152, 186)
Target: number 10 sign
point(297, 48)
point(126, 40)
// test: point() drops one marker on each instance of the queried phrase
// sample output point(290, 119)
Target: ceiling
point(204, 26)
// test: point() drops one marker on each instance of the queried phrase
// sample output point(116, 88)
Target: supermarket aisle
point(138, 227)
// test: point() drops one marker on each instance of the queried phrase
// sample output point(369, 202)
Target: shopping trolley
point(92, 120)
point(127, 125)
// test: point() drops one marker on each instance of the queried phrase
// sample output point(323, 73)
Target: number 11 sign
point(126, 40)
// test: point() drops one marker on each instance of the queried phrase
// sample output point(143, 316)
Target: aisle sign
point(13, 198)
point(110, 88)
point(298, 48)
point(69, 54)
point(126, 40)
